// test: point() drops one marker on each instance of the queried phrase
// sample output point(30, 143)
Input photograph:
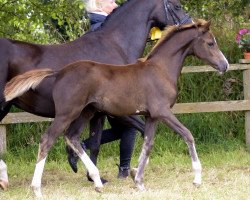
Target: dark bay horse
point(121, 40)
point(148, 87)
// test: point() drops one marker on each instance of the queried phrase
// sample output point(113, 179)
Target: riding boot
point(123, 172)
point(73, 157)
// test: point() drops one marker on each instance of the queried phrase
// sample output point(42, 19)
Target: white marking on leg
point(3, 172)
point(37, 178)
point(196, 168)
point(197, 172)
point(143, 154)
point(146, 161)
point(92, 169)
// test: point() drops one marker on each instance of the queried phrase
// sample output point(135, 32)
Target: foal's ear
point(206, 26)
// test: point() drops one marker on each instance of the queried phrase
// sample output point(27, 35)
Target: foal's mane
point(170, 30)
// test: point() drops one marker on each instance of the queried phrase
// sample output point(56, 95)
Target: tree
point(32, 20)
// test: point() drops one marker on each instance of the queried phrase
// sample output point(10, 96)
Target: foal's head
point(205, 47)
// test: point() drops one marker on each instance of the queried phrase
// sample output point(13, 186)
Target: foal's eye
point(177, 7)
point(211, 44)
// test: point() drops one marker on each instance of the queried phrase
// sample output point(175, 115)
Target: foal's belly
point(119, 106)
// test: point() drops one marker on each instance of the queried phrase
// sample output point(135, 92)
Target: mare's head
point(169, 12)
point(205, 47)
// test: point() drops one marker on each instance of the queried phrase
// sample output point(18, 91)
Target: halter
point(172, 13)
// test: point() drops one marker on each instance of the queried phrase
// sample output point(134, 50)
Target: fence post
point(2, 139)
point(246, 81)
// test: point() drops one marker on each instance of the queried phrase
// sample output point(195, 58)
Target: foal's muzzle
point(223, 67)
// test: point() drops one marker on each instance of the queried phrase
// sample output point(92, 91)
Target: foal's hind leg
point(72, 138)
point(46, 142)
point(178, 127)
point(48, 139)
point(146, 149)
point(96, 127)
point(95, 135)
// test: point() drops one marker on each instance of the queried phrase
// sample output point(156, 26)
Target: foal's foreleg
point(95, 135)
point(178, 127)
point(72, 138)
point(146, 149)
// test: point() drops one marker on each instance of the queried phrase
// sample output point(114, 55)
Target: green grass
point(226, 175)
point(220, 144)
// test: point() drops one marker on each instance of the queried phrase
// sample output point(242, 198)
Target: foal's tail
point(22, 83)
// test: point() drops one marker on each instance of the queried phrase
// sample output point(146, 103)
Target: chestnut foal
point(148, 87)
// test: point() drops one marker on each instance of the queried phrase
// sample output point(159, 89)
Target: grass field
point(220, 145)
point(226, 175)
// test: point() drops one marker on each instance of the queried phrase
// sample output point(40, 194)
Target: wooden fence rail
point(198, 107)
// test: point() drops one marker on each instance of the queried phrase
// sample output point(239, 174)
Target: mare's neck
point(170, 55)
point(128, 28)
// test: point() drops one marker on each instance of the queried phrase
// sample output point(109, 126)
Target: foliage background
point(57, 21)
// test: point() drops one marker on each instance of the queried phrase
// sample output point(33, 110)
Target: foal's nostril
point(225, 67)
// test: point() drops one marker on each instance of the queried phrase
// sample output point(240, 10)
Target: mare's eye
point(211, 44)
point(177, 7)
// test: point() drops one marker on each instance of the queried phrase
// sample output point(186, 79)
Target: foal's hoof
point(197, 184)
point(91, 180)
point(98, 189)
point(140, 186)
point(37, 191)
point(197, 181)
point(3, 184)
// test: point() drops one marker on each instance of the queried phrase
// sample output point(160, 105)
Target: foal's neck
point(171, 53)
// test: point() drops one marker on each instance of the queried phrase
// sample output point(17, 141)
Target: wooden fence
point(198, 107)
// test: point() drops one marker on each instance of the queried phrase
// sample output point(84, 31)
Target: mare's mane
point(169, 32)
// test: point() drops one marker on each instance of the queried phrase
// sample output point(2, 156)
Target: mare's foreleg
point(72, 138)
point(4, 70)
point(149, 134)
point(4, 109)
point(170, 119)
point(4, 182)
